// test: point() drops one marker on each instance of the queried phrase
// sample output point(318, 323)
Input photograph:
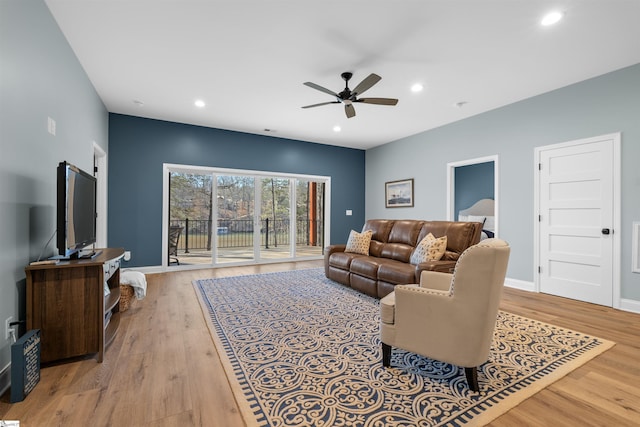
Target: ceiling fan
point(348, 96)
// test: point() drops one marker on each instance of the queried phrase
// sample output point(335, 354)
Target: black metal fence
point(238, 233)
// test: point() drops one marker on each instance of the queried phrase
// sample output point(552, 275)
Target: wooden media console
point(69, 303)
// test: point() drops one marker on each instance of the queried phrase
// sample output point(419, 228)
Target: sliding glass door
point(235, 222)
point(309, 218)
point(222, 217)
point(275, 218)
point(190, 214)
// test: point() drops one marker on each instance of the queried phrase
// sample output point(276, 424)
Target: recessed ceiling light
point(337, 128)
point(551, 18)
point(199, 103)
point(418, 87)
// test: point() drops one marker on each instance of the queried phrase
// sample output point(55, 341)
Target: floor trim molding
point(5, 378)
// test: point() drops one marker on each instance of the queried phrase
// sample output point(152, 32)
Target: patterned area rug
point(302, 350)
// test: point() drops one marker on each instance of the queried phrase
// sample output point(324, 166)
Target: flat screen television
point(76, 210)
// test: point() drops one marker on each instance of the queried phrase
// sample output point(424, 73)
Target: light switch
point(51, 126)
point(349, 212)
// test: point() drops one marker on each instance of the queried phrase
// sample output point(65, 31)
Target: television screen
point(76, 209)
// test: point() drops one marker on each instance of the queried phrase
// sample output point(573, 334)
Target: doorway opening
point(100, 172)
point(472, 181)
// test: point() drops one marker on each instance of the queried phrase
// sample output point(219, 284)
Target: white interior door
point(576, 220)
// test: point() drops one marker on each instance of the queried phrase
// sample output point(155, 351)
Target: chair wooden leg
point(386, 355)
point(472, 378)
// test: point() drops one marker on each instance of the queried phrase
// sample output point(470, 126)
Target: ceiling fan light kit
point(348, 96)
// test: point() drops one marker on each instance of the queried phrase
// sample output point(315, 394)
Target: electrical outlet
point(7, 328)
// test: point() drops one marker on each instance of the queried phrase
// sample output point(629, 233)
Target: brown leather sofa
point(392, 243)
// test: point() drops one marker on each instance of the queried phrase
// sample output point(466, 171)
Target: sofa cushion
point(397, 272)
point(429, 249)
point(342, 260)
point(396, 251)
point(358, 243)
point(405, 231)
point(365, 266)
point(381, 229)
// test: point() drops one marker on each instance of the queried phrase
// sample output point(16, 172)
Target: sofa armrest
point(334, 248)
point(440, 266)
point(327, 253)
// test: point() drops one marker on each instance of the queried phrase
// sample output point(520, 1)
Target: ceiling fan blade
point(379, 101)
point(322, 103)
point(366, 84)
point(321, 89)
point(349, 110)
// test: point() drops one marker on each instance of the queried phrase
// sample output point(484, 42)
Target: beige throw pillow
point(429, 249)
point(358, 243)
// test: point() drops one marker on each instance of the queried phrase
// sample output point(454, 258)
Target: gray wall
point(139, 147)
point(40, 77)
point(603, 105)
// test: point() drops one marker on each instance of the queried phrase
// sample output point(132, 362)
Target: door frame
point(100, 162)
point(617, 222)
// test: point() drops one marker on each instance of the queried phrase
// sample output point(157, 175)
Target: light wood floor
point(163, 370)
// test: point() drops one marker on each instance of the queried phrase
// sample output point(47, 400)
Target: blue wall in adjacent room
point(473, 182)
point(139, 147)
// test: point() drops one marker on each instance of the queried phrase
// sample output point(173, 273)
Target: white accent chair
point(449, 317)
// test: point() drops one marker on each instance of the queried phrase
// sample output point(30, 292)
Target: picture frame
point(398, 194)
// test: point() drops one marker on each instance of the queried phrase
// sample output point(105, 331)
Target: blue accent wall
point(473, 182)
point(138, 148)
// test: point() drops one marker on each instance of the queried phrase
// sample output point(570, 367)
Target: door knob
point(606, 231)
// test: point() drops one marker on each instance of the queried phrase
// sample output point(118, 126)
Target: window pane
point(189, 218)
point(235, 198)
point(309, 218)
point(275, 219)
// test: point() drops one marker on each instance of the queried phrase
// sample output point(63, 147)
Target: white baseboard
point(5, 378)
point(625, 304)
point(520, 284)
point(148, 269)
point(630, 305)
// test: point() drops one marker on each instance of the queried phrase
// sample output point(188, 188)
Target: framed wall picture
point(398, 194)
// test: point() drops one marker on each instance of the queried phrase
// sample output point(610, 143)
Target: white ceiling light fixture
point(551, 18)
point(418, 87)
point(337, 128)
point(199, 103)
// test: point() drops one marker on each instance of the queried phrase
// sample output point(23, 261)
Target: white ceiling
point(247, 59)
